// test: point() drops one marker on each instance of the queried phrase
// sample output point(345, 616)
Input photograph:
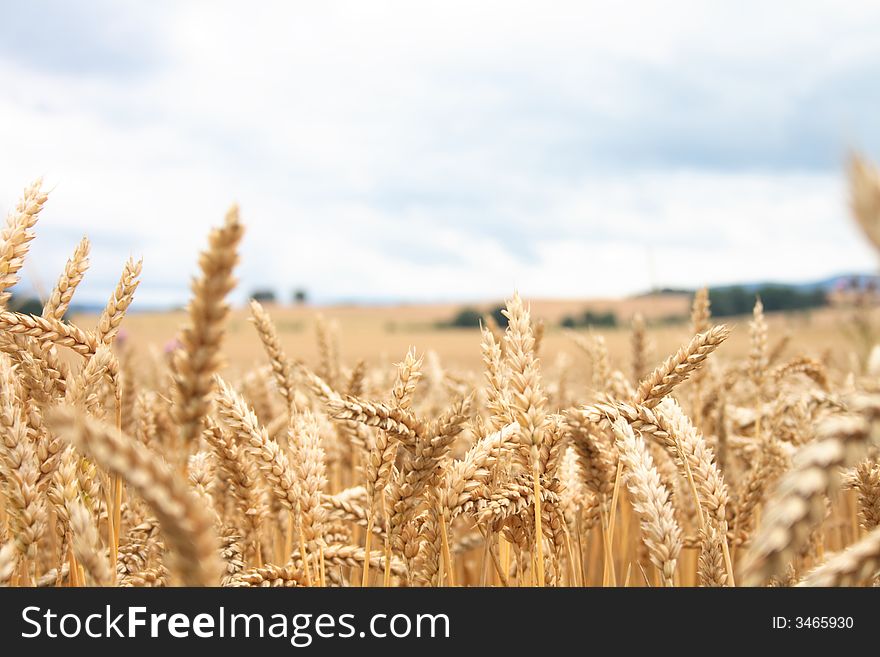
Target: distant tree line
point(590, 319)
point(470, 317)
point(267, 295)
point(737, 300)
point(26, 305)
point(726, 302)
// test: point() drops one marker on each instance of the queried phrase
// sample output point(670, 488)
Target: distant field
point(382, 334)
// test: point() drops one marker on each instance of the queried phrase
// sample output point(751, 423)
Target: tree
point(499, 317)
point(467, 318)
point(263, 295)
point(590, 318)
point(26, 305)
point(736, 300)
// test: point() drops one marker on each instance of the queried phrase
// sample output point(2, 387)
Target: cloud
point(445, 150)
point(81, 39)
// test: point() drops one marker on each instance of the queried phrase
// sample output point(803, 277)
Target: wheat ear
point(241, 475)
point(685, 444)
point(199, 359)
point(20, 467)
point(595, 453)
point(679, 366)
point(184, 521)
point(497, 401)
point(701, 315)
point(528, 405)
point(249, 433)
point(798, 502)
point(864, 184)
point(87, 543)
point(650, 499)
point(409, 371)
point(59, 300)
point(866, 480)
point(309, 468)
point(281, 366)
point(49, 330)
point(16, 237)
point(711, 569)
point(395, 421)
point(857, 564)
point(269, 575)
point(9, 556)
point(328, 367)
point(639, 343)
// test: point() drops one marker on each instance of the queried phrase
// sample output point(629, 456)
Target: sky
point(426, 151)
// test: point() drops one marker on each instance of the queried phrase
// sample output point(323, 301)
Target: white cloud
point(447, 150)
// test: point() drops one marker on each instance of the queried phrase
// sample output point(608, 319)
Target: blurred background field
point(381, 335)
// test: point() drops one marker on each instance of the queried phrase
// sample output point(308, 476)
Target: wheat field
point(246, 453)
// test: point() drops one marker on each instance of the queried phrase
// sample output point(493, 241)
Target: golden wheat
point(118, 467)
